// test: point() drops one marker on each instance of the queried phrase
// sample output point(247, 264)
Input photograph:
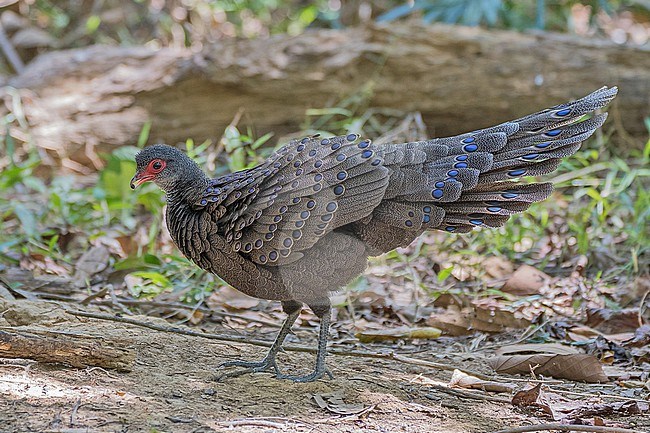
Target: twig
point(567, 427)
point(585, 394)
point(10, 52)
point(253, 422)
point(247, 340)
point(75, 408)
point(468, 394)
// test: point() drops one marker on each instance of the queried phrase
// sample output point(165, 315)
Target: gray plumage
point(304, 222)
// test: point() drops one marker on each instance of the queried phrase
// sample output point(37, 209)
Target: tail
point(470, 180)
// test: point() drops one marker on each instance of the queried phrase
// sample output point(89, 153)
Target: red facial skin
point(149, 173)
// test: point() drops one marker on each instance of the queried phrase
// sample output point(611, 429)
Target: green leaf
point(27, 220)
point(444, 274)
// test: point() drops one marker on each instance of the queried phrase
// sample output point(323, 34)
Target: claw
point(247, 367)
point(315, 375)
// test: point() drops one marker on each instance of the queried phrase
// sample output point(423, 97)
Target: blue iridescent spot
point(335, 146)
point(426, 219)
point(376, 162)
point(296, 164)
point(427, 209)
point(273, 227)
point(351, 137)
point(440, 184)
point(312, 152)
point(476, 222)
point(509, 195)
point(452, 173)
point(318, 164)
point(469, 140)
point(204, 202)
point(494, 208)
point(304, 140)
point(366, 154)
point(262, 258)
point(338, 189)
point(299, 172)
point(300, 147)
point(208, 191)
point(543, 145)
point(283, 209)
point(331, 207)
point(287, 242)
point(273, 255)
point(268, 236)
point(364, 144)
point(411, 213)
point(530, 156)
point(341, 175)
point(311, 204)
point(553, 132)
point(470, 148)
point(296, 234)
point(564, 112)
point(318, 177)
point(299, 224)
point(460, 165)
point(340, 157)
point(461, 158)
point(217, 190)
point(258, 243)
point(304, 214)
point(317, 187)
point(516, 172)
point(408, 223)
point(324, 142)
point(436, 193)
point(213, 198)
point(251, 190)
point(326, 217)
point(450, 228)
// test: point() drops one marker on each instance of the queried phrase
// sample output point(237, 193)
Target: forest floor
point(171, 386)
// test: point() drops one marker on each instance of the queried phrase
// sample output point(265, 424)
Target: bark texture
point(75, 350)
point(460, 78)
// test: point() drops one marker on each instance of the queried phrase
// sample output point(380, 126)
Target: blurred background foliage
point(34, 26)
point(601, 210)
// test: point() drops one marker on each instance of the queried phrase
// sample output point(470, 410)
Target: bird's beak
point(140, 178)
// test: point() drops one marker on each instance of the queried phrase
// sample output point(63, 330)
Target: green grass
point(600, 209)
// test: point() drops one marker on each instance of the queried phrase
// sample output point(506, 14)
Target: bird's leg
point(325, 314)
point(292, 308)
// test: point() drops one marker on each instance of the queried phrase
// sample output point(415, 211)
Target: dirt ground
point(171, 388)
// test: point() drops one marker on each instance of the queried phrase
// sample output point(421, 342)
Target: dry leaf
point(498, 267)
point(641, 337)
point(554, 348)
point(333, 402)
point(525, 281)
point(527, 397)
point(460, 379)
point(402, 332)
point(231, 298)
point(609, 321)
point(451, 322)
point(579, 367)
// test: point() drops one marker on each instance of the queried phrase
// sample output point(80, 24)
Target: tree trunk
point(461, 79)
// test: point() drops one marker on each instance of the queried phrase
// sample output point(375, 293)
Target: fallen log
point(92, 99)
point(65, 348)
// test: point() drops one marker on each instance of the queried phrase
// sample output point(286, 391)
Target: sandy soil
point(171, 389)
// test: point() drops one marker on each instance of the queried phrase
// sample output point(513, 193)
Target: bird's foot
point(311, 377)
point(248, 367)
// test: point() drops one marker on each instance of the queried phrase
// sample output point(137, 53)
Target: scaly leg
point(325, 314)
point(292, 308)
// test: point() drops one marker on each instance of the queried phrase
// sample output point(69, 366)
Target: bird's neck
point(190, 188)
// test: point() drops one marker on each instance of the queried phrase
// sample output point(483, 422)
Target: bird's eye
point(157, 165)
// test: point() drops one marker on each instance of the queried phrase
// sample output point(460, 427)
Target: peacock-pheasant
point(303, 223)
